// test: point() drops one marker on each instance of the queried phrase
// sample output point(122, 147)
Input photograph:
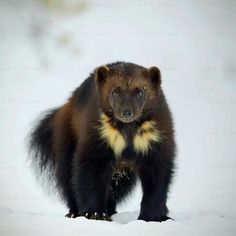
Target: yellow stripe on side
point(111, 135)
point(146, 134)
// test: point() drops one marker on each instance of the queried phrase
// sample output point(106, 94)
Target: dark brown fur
point(90, 176)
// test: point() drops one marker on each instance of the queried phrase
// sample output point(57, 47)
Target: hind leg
point(68, 196)
point(123, 182)
point(73, 209)
point(63, 176)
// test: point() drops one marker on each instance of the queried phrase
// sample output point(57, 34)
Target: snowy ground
point(204, 223)
point(45, 53)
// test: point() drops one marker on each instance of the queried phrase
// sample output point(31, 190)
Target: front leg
point(155, 173)
point(91, 177)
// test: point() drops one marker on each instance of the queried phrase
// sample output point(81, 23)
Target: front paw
point(97, 216)
point(158, 218)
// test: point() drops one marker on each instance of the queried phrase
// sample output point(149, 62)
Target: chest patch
point(146, 134)
point(112, 136)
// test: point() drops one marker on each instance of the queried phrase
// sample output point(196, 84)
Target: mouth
point(126, 119)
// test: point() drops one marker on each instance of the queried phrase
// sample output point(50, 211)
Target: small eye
point(114, 93)
point(140, 93)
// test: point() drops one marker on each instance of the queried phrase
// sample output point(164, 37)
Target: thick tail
point(40, 145)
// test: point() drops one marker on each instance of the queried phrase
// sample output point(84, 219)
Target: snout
point(126, 115)
point(126, 111)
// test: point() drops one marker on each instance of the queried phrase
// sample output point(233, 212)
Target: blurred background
point(48, 47)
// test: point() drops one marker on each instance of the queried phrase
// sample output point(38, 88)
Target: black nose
point(127, 114)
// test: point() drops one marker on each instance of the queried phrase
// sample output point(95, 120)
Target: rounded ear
point(101, 74)
point(155, 74)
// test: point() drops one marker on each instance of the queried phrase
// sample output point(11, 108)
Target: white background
point(47, 50)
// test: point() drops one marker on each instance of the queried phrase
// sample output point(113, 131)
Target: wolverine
point(115, 129)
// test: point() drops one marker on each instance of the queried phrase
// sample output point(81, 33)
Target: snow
point(46, 53)
point(125, 223)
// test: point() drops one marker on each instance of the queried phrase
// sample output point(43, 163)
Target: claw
point(105, 217)
point(98, 216)
point(71, 215)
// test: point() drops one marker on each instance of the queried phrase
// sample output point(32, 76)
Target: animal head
point(126, 90)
